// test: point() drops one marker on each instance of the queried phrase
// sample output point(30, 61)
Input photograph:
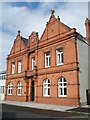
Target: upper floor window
point(47, 59)
point(33, 63)
point(13, 67)
point(46, 88)
point(59, 56)
point(10, 87)
point(62, 89)
point(19, 66)
point(19, 89)
point(2, 89)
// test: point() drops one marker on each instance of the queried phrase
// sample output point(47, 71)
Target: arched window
point(46, 88)
point(10, 87)
point(19, 88)
point(62, 88)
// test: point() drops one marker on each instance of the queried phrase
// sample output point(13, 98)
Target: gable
point(18, 45)
point(53, 28)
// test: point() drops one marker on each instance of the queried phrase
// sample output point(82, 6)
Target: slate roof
point(25, 41)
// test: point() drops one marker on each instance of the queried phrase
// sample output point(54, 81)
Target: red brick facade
point(56, 35)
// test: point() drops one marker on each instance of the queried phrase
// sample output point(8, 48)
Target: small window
point(0, 77)
point(59, 56)
point(62, 89)
point(4, 76)
point(19, 89)
point(10, 87)
point(33, 63)
point(13, 67)
point(2, 89)
point(47, 59)
point(19, 66)
point(46, 88)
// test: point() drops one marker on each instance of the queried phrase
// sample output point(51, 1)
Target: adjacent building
point(52, 69)
point(2, 84)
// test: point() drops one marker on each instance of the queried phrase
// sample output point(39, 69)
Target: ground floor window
point(19, 89)
point(46, 88)
point(10, 87)
point(62, 89)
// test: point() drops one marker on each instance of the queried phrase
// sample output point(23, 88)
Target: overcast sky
point(32, 16)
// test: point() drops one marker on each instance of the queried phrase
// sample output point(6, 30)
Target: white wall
point(2, 83)
point(82, 49)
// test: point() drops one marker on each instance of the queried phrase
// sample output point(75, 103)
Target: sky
point(32, 16)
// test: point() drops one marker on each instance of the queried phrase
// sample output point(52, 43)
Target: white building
point(2, 84)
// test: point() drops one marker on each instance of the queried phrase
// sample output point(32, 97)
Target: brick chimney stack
point(87, 24)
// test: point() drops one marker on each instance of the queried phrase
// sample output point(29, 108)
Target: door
point(88, 96)
point(32, 90)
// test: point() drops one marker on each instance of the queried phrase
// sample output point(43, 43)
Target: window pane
point(33, 63)
point(62, 58)
point(13, 68)
point(48, 91)
point(61, 91)
point(64, 84)
point(47, 59)
point(19, 66)
point(65, 91)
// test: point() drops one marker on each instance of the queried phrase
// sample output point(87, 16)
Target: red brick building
point(49, 69)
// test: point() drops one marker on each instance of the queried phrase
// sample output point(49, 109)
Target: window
point(33, 63)
point(59, 56)
point(62, 87)
point(47, 59)
point(2, 89)
point(46, 88)
point(19, 66)
point(19, 89)
point(10, 87)
point(13, 67)
point(4, 76)
point(0, 77)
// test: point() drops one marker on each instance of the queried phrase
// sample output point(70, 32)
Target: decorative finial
point(58, 18)
point(19, 32)
point(52, 12)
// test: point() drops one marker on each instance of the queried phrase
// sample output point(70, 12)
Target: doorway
point(32, 90)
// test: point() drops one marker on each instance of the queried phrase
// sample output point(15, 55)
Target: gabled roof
point(54, 27)
point(25, 41)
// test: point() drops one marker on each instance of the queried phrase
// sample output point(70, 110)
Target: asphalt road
point(11, 111)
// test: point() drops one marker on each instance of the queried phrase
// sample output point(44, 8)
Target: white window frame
point(47, 59)
point(33, 63)
point(59, 54)
point(13, 67)
point(19, 88)
point(61, 85)
point(10, 88)
point(46, 87)
point(19, 66)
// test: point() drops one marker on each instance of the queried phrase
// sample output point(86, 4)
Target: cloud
point(28, 18)
point(44, 1)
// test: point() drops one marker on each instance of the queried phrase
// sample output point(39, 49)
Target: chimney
point(87, 24)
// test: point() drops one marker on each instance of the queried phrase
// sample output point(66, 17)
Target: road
point(11, 111)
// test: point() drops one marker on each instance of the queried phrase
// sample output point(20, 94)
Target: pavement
point(83, 109)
